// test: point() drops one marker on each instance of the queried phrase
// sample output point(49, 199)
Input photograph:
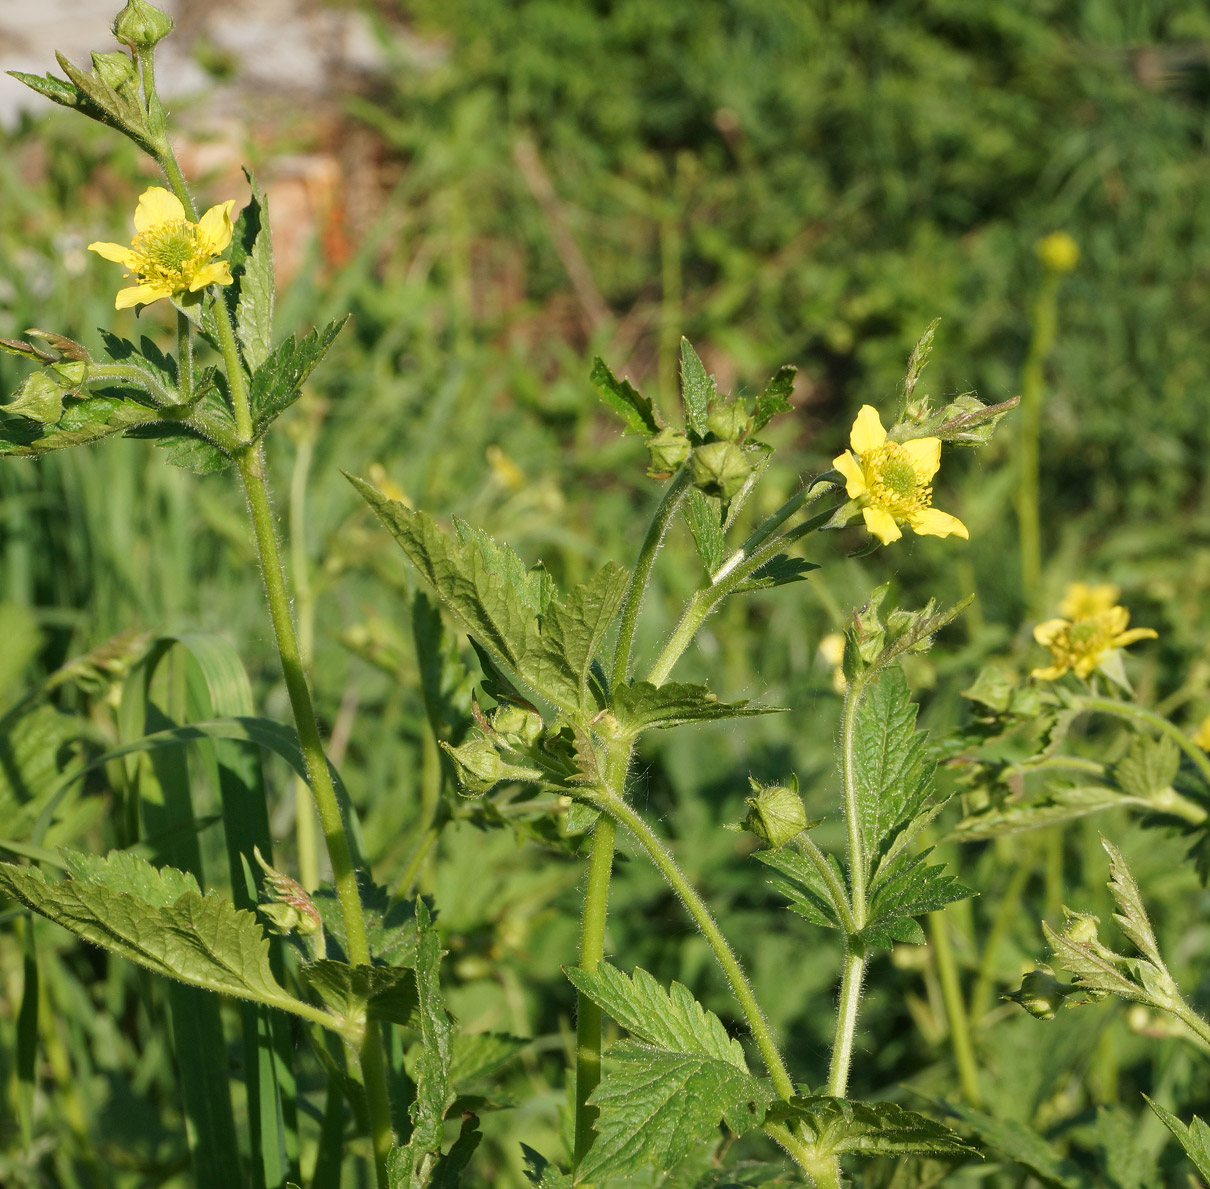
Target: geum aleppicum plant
point(569, 713)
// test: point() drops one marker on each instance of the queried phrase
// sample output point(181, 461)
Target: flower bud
point(39, 398)
point(141, 25)
point(720, 469)
point(478, 765)
point(1058, 252)
point(728, 420)
point(776, 814)
point(1081, 927)
point(1041, 994)
point(114, 69)
point(669, 448)
point(519, 726)
point(290, 908)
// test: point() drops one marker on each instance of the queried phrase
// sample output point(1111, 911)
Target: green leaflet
point(1021, 1143)
point(704, 515)
point(37, 757)
point(250, 297)
point(204, 941)
point(671, 1019)
point(84, 420)
point(634, 408)
point(1057, 805)
point(276, 383)
point(697, 389)
point(540, 1172)
point(906, 889)
point(893, 773)
point(657, 1106)
point(640, 706)
point(838, 1125)
point(775, 399)
point(386, 992)
point(777, 571)
point(1195, 1138)
point(1149, 767)
point(511, 611)
point(804, 887)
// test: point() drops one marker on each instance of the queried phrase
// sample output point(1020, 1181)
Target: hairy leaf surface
point(641, 706)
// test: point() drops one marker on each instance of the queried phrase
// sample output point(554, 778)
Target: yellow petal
point(214, 228)
point(157, 206)
point(925, 454)
point(1080, 600)
point(1202, 735)
point(117, 253)
point(218, 273)
point(932, 522)
point(1050, 673)
point(881, 523)
point(1124, 638)
point(138, 295)
point(1049, 631)
point(868, 433)
point(850, 468)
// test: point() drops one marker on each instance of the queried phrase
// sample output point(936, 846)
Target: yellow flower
point(1058, 252)
point(891, 481)
point(171, 256)
point(1088, 642)
point(831, 652)
point(1081, 601)
point(1202, 735)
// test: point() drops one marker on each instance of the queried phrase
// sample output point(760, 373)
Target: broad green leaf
point(251, 295)
point(838, 1125)
point(39, 751)
point(120, 871)
point(387, 992)
point(1058, 805)
point(906, 889)
point(276, 383)
point(775, 399)
point(893, 773)
point(390, 924)
point(84, 420)
point(1021, 1143)
point(804, 886)
point(1149, 767)
point(704, 515)
point(477, 1054)
point(634, 408)
point(697, 389)
point(1195, 1138)
point(640, 706)
point(671, 1019)
point(200, 940)
point(656, 1106)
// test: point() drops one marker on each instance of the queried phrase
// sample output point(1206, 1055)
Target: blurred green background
point(522, 185)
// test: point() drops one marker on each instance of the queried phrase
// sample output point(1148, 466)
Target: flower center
point(1086, 640)
point(167, 252)
point(894, 483)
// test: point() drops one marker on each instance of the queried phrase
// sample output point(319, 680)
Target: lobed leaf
point(906, 889)
point(1132, 916)
point(838, 1125)
point(277, 382)
point(383, 992)
point(640, 706)
point(1149, 767)
point(634, 408)
point(252, 293)
point(804, 887)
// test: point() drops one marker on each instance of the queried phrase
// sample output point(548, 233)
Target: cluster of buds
point(512, 745)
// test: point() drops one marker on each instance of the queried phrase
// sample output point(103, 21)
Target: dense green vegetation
point(781, 183)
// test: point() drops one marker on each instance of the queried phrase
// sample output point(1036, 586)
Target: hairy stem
point(846, 1020)
point(633, 599)
point(1128, 710)
point(676, 879)
point(184, 360)
point(839, 897)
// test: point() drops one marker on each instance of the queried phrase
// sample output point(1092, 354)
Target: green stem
point(846, 1020)
point(1006, 913)
point(121, 373)
point(592, 951)
point(1193, 1022)
point(825, 1171)
point(659, 854)
point(839, 897)
point(1128, 710)
point(633, 599)
point(184, 362)
point(955, 1009)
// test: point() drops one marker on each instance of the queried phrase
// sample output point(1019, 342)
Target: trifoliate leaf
point(641, 706)
point(837, 1125)
point(657, 1106)
point(635, 409)
point(697, 389)
point(277, 382)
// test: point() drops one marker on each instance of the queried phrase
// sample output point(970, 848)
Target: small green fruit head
point(728, 420)
point(290, 909)
point(776, 814)
point(518, 726)
point(669, 448)
point(478, 765)
point(1041, 994)
point(720, 469)
point(140, 25)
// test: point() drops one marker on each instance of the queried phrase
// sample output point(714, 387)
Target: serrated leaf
point(775, 399)
point(892, 771)
point(478, 1054)
point(277, 382)
point(777, 571)
point(252, 293)
point(83, 420)
point(634, 408)
point(383, 992)
point(540, 1172)
point(1058, 805)
point(1195, 1138)
point(1149, 767)
point(390, 924)
point(640, 706)
point(122, 871)
point(1092, 970)
point(670, 1019)
point(704, 515)
point(656, 1106)
point(200, 940)
point(1132, 917)
point(838, 1125)
point(804, 887)
point(57, 90)
point(698, 389)
point(906, 889)
point(37, 752)
point(1023, 1144)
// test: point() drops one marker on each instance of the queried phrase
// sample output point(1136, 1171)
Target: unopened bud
point(519, 726)
point(141, 25)
point(290, 908)
point(1081, 927)
point(1041, 994)
point(478, 765)
point(115, 69)
point(720, 469)
point(776, 814)
point(728, 420)
point(668, 448)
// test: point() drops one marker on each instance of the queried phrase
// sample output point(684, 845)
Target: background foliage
point(781, 182)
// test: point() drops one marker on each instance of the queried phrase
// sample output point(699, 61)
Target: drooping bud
point(1041, 994)
point(1058, 252)
point(478, 765)
point(728, 420)
point(290, 909)
point(776, 814)
point(720, 469)
point(668, 448)
point(141, 25)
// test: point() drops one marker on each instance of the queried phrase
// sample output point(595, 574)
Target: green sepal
point(640, 706)
point(626, 400)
